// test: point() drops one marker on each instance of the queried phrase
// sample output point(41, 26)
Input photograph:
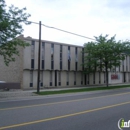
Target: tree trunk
point(106, 70)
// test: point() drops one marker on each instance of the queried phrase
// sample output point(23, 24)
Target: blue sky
point(86, 17)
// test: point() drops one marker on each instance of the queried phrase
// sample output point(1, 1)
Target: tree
point(11, 21)
point(103, 54)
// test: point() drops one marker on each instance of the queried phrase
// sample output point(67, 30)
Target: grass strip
point(80, 90)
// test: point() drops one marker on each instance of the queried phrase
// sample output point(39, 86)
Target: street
point(82, 111)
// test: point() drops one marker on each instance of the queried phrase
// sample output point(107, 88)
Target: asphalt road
point(82, 111)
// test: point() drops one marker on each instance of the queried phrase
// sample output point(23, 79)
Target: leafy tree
point(103, 54)
point(11, 21)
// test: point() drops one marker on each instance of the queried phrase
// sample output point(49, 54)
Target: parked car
point(2, 81)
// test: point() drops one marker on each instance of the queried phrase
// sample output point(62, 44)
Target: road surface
point(82, 111)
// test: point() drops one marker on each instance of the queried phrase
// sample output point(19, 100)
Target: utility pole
point(39, 58)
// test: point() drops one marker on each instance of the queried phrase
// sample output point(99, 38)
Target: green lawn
point(80, 90)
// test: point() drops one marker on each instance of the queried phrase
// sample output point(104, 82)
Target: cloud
point(86, 17)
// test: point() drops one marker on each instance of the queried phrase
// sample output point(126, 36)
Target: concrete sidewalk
point(28, 93)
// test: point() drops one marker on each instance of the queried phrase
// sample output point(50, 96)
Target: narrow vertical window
point(94, 78)
point(67, 77)
point(104, 77)
point(99, 77)
point(52, 56)
point(76, 58)
point(59, 78)
point(31, 78)
point(32, 54)
point(69, 58)
point(126, 64)
point(88, 78)
point(50, 78)
point(123, 65)
point(41, 78)
point(81, 78)
point(74, 78)
point(60, 57)
point(83, 58)
point(43, 48)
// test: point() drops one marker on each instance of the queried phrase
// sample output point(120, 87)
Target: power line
point(63, 31)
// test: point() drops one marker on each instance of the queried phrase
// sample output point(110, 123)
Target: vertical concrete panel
point(71, 78)
point(78, 78)
point(53, 78)
point(56, 57)
point(121, 66)
point(128, 63)
point(27, 57)
point(125, 65)
point(26, 79)
point(79, 58)
point(63, 78)
point(36, 55)
point(91, 79)
point(65, 58)
point(34, 79)
point(102, 78)
point(46, 78)
point(72, 53)
point(97, 78)
point(47, 56)
point(127, 78)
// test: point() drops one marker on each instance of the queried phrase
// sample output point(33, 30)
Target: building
point(60, 67)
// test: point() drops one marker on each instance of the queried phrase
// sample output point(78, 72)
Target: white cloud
point(89, 18)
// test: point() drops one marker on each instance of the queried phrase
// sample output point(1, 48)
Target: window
point(60, 48)
point(31, 78)
point(43, 46)
point(104, 77)
point(43, 53)
point(52, 48)
point(76, 54)
point(76, 58)
point(99, 77)
point(52, 56)
point(32, 63)
point(69, 58)
point(76, 65)
point(81, 78)
point(42, 64)
point(93, 78)
point(74, 78)
point(32, 54)
point(41, 78)
point(60, 57)
point(123, 65)
point(60, 65)
point(67, 77)
point(50, 78)
point(32, 49)
point(59, 78)
point(83, 58)
point(126, 63)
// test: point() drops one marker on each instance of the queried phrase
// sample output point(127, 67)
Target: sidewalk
point(28, 93)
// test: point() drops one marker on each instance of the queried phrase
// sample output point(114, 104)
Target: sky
point(85, 17)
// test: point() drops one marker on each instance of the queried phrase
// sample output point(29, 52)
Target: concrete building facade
point(61, 66)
